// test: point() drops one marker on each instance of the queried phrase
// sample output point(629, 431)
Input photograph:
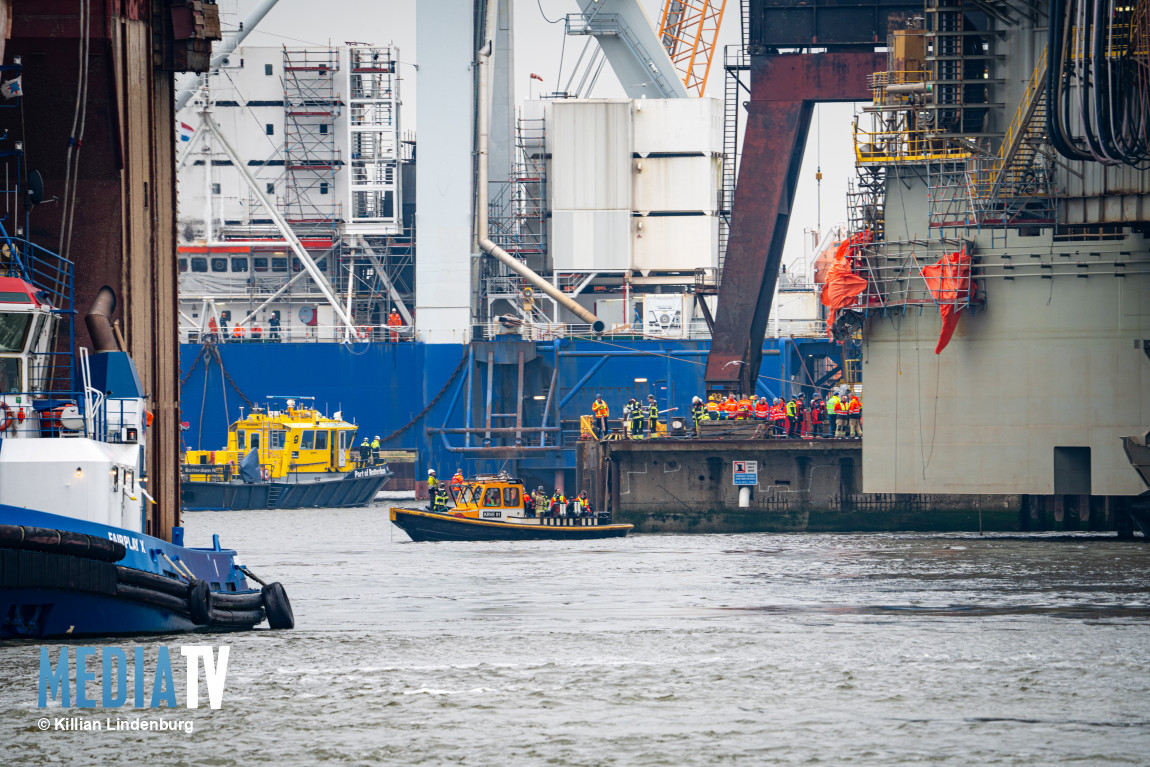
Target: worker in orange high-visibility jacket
point(394, 321)
point(714, 409)
point(832, 414)
point(776, 413)
point(841, 416)
point(762, 409)
point(730, 408)
point(238, 332)
point(854, 417)
point(743, 409)
point(602, 412)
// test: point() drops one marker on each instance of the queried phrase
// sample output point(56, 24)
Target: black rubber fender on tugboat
point(60, 542)
point(200, 602)
point(278, 607)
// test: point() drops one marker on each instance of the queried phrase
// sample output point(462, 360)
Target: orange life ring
point(267, 475)
point(5, 418)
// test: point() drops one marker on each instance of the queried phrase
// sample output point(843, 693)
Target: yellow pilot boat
point(490, 508)
point(285, 457)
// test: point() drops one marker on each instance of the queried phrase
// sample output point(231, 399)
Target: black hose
point(1111, 99)
point(1104, 128)
point(1055, 119)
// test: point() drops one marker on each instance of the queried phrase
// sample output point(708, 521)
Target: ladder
point(735, 61)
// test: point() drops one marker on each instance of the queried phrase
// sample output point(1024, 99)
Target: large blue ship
point(438, 400)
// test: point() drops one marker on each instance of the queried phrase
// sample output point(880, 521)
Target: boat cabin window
point(511, 496)
point(259, 264)
point(239, 264)
point(199, 264)
point(219, 264)
point(321, 440)
point(279, 264)
point(254, 441)
point(10, 375)
point(13, 331)
point(345, 439)
point(307, 439)
point(183, 262)
point(491, 497)
point(240, 444)
point(277, 439)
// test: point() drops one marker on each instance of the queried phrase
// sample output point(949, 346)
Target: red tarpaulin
point(843, 286)
point(948, 281)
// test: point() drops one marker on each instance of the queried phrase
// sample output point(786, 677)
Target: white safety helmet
point(431, 472)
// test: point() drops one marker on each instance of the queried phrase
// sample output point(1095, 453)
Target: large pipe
point(246, 26)
point(481, 191)
point(99, 321)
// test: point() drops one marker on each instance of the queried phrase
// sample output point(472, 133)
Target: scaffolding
point(373, 140)
point(376, 276)
point(961, 71)
point(517, 211)
point(866, 195)
point(311, 157)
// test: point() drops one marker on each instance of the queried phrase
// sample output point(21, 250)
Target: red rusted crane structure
point(787, 80)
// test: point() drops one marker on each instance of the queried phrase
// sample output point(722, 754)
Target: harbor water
point(650, 650)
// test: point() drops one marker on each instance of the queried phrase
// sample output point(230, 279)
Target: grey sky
point(538, 45)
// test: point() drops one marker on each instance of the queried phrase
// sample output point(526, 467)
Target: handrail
point(1012, 141)
point(901, 146)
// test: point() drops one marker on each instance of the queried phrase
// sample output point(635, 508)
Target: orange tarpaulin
point(843, 286)
point(948, 281)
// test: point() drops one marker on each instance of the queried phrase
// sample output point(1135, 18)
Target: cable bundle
point(1098, 83)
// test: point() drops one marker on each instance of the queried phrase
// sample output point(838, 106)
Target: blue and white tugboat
point(74, 555)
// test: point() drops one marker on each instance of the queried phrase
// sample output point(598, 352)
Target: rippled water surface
point(653, 650)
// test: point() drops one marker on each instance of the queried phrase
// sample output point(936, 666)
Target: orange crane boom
point(689, 30)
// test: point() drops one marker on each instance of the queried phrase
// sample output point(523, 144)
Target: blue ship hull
point(385, 387)
point(49, 590)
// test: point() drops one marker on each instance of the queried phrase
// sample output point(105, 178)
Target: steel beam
point(784, 90)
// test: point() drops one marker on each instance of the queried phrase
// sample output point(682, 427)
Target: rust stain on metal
point(124, 221)
point(784, 89)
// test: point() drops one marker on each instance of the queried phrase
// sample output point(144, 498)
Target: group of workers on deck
point(368, 453)
point(837, 417)
point(534, 504)
point(219, 332)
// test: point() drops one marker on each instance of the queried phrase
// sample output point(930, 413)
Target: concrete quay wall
point(686, 485)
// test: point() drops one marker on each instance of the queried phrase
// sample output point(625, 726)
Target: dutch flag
point(186, 131)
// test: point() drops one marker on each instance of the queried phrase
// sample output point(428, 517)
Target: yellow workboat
point(282, 457)
point(490, 508)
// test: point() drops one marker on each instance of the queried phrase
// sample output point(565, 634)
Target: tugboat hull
point(430, 526)
point(96, 580)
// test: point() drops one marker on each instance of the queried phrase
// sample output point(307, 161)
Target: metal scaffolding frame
point(373, 139)
point(311, 157)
